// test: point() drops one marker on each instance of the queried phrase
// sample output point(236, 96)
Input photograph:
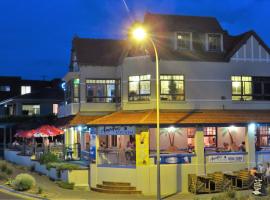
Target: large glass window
point(214, 42)
point(210, 136)
point(72, 92)
point(139, 88)
point(31, 110)
point(241, 88)
point(101, 91)
point(263, 137)
point(4, 88)
point(261, 88)
point(172, 87)
point(183, 41)
point(25, 90)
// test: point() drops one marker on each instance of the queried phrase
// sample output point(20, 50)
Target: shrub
point(3, 176)
point(231, 194)
point(24, 182)
point(9, 181)
point(3, 167)
point(62, 166)
point(48, 157)
point(9, 171)
point(65, 185)
point(40, 190)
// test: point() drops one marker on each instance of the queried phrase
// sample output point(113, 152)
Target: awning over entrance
point(148, 117)
point(75, 120)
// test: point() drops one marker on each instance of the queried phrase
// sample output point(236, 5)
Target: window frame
point(25, 89)
point(211, 135)
point(220, 42)
point(141, 97)
point(242, 96)
point(259, 136)
point(5, 88)
point(184, 86)
point(117, 87)
point(178, 47)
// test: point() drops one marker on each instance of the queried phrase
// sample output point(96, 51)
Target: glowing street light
point(139, 34)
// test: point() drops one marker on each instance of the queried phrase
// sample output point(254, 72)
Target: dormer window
point(214, 42)
point(184, 41)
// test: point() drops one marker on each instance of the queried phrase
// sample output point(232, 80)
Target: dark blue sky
point(35, 35)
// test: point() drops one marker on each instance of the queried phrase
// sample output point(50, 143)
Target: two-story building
point(214, 101)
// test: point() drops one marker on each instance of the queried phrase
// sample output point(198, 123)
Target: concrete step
point(115, 183)
point(116, 187)
point(115, 191)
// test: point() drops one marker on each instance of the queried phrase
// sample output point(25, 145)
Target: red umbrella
point(48, 131)
point(25, 134)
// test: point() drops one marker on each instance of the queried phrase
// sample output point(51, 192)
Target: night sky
point(35, 35)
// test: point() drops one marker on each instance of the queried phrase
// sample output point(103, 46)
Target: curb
point(24, 195)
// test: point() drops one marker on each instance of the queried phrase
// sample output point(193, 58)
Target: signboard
point(92, 149)
point(142, 149)
point(177, 159)
point(225, 158)
point(116, 130)
point(259, 186)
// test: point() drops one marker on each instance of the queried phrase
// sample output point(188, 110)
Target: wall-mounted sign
point(225, 158)
point(116, 130)
point(142, 149)
point(92, 149)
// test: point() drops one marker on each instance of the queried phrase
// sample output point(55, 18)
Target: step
point(102, 190)
point(116, 183)
point(116, 187)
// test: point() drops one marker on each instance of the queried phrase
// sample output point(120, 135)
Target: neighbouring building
point(215, 103)
point(20, 97)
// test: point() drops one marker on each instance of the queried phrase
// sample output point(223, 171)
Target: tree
point(172, 89)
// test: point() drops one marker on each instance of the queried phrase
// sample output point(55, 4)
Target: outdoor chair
point(216, 183)
point(196, 186)
point(243, 180)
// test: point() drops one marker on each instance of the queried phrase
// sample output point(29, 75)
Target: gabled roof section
point(240, 40)
point(162, 23)
point(98, 52)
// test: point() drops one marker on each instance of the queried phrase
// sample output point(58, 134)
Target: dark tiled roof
point(98, 52)
point(171, 23)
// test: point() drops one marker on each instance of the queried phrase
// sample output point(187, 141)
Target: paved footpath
point(8, 197)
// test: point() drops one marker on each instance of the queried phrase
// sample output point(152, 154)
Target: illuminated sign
point(116, 130)
point(225, 158)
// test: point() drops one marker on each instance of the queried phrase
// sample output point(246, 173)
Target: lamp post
point(140, 34)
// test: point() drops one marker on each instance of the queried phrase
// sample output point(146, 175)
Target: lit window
point(183, 40)
point(139, 88)
point(214, 42)
point(210, 136)
point(4, 88)
point(55, 109)
point(241, 88)
point(25, 90)
point(172, 87)
point(31, 110)
point(102, 91)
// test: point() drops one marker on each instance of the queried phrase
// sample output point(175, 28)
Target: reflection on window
point(101, 91)
point(76, 90)
point(263, 137)
point(25, 90)
point(242, 88)
point(139, 88)
point(214, 42)
point(4, 88)
point(210, 136)
point(183, 41)
point(31, 110)
point(172, 87)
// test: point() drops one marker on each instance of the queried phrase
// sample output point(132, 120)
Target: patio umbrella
point(25, 134)
point(48, 131)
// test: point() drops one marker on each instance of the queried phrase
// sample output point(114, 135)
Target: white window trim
point(190, 41)
point(207, 42)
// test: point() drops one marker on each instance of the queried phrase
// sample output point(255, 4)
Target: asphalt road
point(6, 196)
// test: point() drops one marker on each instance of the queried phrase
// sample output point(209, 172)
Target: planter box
point(41, 169)
point(12, 156)
point(53, 174)
point(80, 177)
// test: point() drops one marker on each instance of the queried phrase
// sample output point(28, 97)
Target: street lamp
point(139, 34)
